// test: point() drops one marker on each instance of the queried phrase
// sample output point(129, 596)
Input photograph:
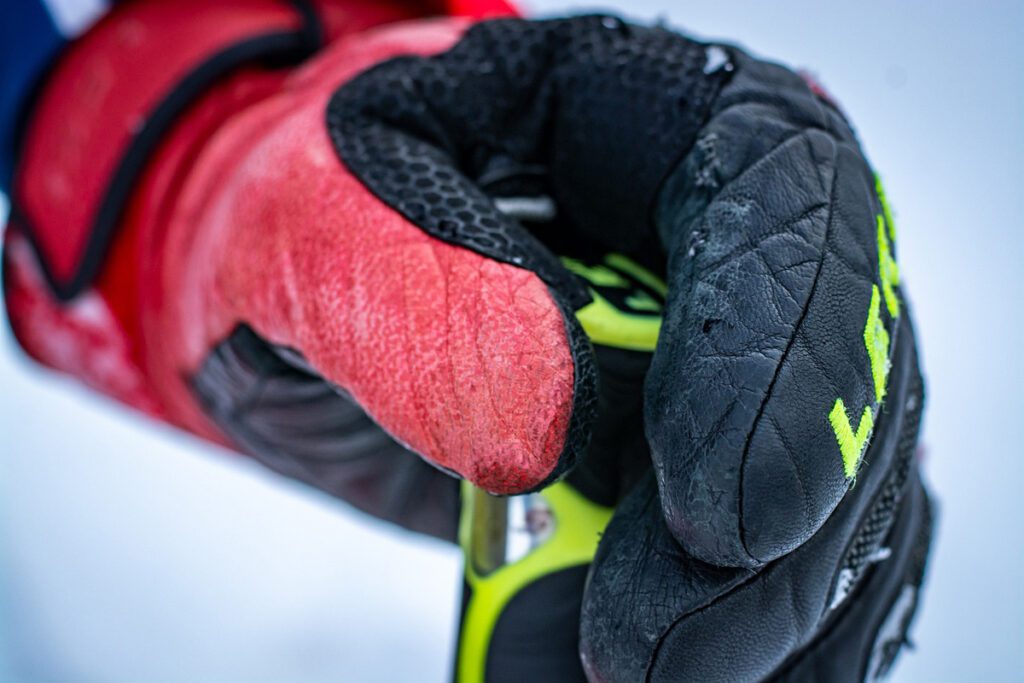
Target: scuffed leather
point(770, 229)
point(655, 611)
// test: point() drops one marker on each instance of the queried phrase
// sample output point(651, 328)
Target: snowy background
point(132, 553)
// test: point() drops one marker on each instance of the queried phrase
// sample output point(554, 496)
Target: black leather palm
point(655, 612)
point(770, 228)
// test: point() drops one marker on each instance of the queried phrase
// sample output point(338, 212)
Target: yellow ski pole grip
point(526, 559)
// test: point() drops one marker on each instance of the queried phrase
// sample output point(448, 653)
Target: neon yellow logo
point(851, 445)
point(876, 340)
point(626, 302)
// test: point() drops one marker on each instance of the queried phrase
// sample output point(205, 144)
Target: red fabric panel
point(93, 102)
point(100, 94)
point(84, 338)
point(479, 9)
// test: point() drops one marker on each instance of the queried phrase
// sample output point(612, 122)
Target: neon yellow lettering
point(876, 341)
point(889, 272)
point(851, 445)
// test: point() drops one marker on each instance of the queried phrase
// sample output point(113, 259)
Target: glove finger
point(653, 611)
point(780, 321)
point(462, 358)
point(526, 557)
point(862, 642)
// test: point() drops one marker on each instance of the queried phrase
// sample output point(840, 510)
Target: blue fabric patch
point(29, 41)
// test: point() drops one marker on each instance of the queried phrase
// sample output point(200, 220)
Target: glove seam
point(785, 354)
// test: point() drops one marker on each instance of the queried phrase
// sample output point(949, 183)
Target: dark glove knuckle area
point(288, 418)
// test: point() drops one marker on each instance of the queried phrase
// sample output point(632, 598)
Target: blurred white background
point(132, 553)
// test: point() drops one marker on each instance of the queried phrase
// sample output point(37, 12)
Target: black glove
point(782, 530)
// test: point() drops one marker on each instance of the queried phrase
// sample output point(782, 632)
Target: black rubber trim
point(287, 47)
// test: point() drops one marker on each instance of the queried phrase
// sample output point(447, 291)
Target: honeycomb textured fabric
point(604, 110)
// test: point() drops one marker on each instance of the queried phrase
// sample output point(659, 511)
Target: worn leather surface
point(654, 610)
point(463, 359)
point(770, 229)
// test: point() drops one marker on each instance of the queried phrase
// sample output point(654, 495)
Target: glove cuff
point(110, 102)
point(114, 102)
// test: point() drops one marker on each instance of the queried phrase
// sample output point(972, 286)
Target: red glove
point(189, 227)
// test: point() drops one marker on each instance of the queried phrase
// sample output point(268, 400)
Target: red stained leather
point(478, 9)
point(246, 215)
point(351, 16)
point(462, 358)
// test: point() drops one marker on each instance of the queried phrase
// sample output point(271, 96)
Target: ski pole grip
point(526, 563)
